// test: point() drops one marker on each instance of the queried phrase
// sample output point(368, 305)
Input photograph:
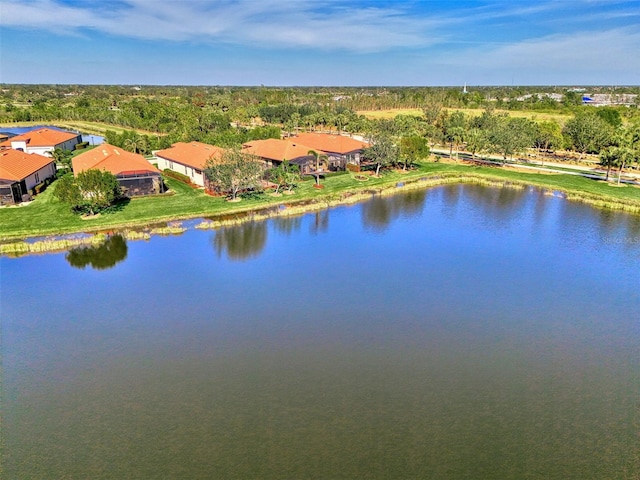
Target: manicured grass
point(48, 216)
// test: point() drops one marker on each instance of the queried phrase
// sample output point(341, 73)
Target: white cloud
point(596, 54)
point(284, 23)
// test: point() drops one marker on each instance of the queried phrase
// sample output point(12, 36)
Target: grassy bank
point(47, 216)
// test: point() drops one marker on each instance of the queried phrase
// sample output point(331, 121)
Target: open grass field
point(559, 118)
point(94, 128)
point(48, 216)
point(391, 113)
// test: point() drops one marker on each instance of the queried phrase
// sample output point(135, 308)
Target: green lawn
point(47, 216)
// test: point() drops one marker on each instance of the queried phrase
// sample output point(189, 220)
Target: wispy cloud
point(330, 24)
point(413, 41)
point(611, 53)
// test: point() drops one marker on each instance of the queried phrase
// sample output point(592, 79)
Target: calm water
point(461, 332)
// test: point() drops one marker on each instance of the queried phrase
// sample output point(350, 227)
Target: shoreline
point(171, 224)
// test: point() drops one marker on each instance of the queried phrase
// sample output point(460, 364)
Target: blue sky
point(320, 42)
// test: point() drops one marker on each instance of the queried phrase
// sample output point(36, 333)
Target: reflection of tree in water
point(320, 222)
point(241, 241)
point(450, 196)
point(500, 202)
point(619, 225)
point(379, 212)
point(102, 257)
point(287, 225)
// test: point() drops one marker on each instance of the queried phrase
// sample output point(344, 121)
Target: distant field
point(382, 114)
point(560, 118)
point(95, 128)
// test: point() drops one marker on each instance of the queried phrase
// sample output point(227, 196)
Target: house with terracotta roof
point(274, 151)
point(339, 149)
point(21, 172)
point(42, 141)
point(189, 159)
point(135, 173)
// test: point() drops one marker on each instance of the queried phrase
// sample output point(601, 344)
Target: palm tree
point(135, 144)
point(318, 157)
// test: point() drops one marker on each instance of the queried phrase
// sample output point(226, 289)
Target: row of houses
point(21, 173)
point(190, 158)
point(25, 162)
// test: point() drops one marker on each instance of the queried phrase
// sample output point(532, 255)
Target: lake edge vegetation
point(477, 124)
point(341, 189)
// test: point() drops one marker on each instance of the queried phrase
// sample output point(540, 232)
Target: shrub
point(81, 145)
point(92, 190)
point(353, 168)
point(177, 176)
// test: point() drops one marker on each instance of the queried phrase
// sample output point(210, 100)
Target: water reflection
point(450, 199)
point(617, 228)
point(502, 204)
point(287, 225)
point(493, 359)
point(320, 222)
point(241, 241)
point(379, 212)
point(112, 251)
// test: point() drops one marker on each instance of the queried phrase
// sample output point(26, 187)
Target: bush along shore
point(150, 216)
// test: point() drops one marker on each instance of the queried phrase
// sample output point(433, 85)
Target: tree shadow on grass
point(117, 206)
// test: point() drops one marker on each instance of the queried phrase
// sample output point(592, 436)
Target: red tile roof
point(279, 150)
point(42, 137)
point(112, 159)
point(192, 154)
point(330, 143)
point(16, 165)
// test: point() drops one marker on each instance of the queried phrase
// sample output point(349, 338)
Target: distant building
point(135, 174)
point(21, 172)
point(43, 141)
point(610, 99)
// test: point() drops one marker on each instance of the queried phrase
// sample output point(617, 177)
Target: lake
point(460, 332)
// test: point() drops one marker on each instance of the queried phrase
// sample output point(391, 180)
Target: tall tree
point(433, 107)
point(234, 172)
point(318, 157)
point(62, 157)
point(454, 128)
point(413, 148)
point(477, 141)
point(383, 152)
point(512, 135)
point(588, 132)
point(547, 135)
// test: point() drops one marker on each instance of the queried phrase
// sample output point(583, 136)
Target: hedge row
point(177, 176)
